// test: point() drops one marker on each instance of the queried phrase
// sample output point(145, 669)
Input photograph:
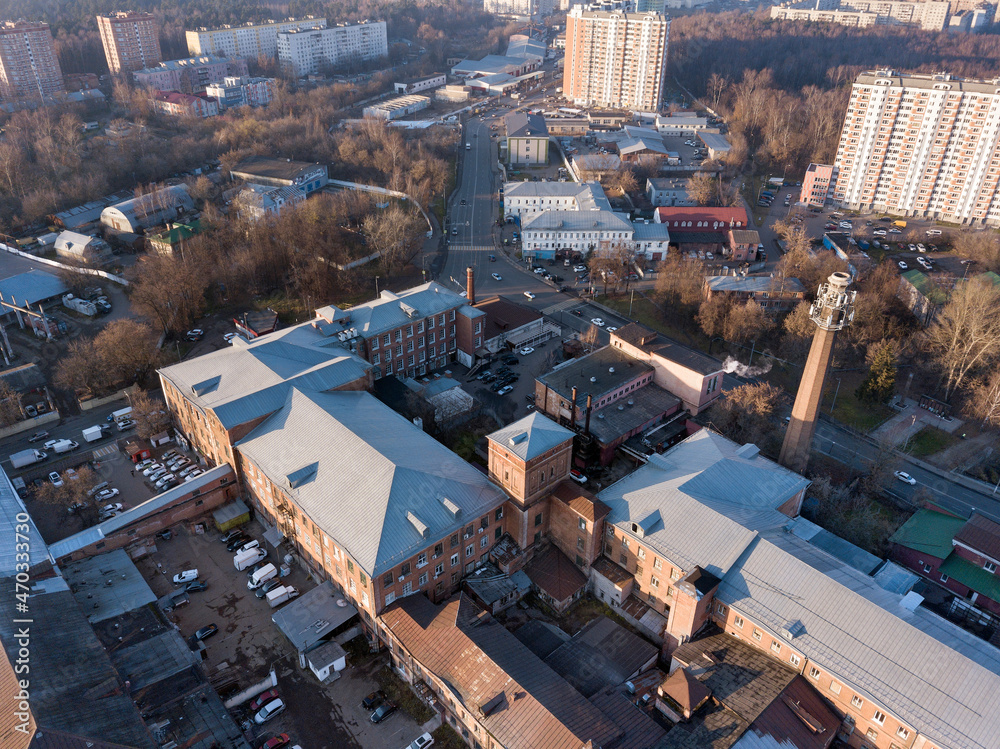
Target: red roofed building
point(176, 104)
point(681, 219)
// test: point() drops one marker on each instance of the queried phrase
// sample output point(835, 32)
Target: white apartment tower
point(921, 145)
point(615, 59)
point(131, 40)
point(307, 50)
point(29, 68)
point(251, 40)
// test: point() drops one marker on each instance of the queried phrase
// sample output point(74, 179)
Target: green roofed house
point(174, 237)
point(921, 295)
point(960, 555)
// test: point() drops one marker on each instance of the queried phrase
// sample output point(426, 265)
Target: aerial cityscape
point(515, 374)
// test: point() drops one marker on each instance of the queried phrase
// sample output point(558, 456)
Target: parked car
point(902, 265)
point(116, 507)
point(186, 470)
point(76, 506)
point(164, 480)
point(142, 465)
point(185, 577)
point(933, 232)
point(194, 474)
point(230, 535)
point(56, 479)
point(276, 742)
point(267, 587)
point(526, 350)
point(382, 712)
point(421, 742)
point(196, 587)
point(195, 335)
point(158, 474)
point(38, 436)
point(205, 632)
point(253, 543)
point(237, 541)
point(579, 268)
point(505, 389)
point(125, 424)
point(597, 321)
point(271, 710)
point(511, 360)
point(262, 699)
point(373, 700)
point(106, 494)
point(578, 476)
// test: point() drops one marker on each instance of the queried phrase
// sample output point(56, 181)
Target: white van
point(261, 576)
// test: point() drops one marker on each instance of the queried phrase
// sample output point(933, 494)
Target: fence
point(383, 191)
point(63, 266)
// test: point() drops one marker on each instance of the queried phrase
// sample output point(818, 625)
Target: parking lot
point(248, 645)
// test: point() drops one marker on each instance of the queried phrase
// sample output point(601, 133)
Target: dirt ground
point(248, 644)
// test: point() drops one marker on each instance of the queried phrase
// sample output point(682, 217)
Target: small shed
point(230, 516)
point(681, 694)
point(160, 439)
point(327, 661)
point(138, 450)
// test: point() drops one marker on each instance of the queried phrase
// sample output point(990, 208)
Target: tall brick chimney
point(572, 410)
point(586, 426)
point(470, 285)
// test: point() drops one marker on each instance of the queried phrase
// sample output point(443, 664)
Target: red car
point(263, 699)
point(276, 742)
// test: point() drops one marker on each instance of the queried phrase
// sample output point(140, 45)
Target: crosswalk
point(106, 451)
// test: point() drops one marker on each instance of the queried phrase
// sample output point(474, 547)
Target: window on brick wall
point(857, 702)
point(582, 524)
point(640, 552)
point(387, 579)
point(738, 621)
point(421, 560)
point(794, 659)
point(835, 687)
point(657, 564)
point(813, 673)
point(757, 634)
point(422, 580)
point(879, 717)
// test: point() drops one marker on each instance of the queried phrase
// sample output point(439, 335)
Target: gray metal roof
point(589, 195)
point(393, 309)
point(521, 45)
point(755, 284)
point(32, 287)
point(524, 125)
point(245, 381)
point(313, 615)
point(650, 231)
point(577, 221)
point(12, 512)
point(929, 673)
point(714, 141)
point(533, 435)
point(707, 482)
point(132, 515)
point(107, 585)
point(360, 471)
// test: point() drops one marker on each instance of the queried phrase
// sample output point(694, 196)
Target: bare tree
point(679, 280)
point(10, 405)
point(149, 414)
point(712, 314)
point(984, 400)
point(747, 322)
point(746, 413)
point(981, 246)
point(170, 290)
point(965, 336)
point(701, 188)
point(395, 235)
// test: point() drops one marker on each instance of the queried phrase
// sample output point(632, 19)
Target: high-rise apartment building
point(308, 50)
point(131, 40)
point(615, 59)
point(251, 40)
point(921, 145)
point(29, 68)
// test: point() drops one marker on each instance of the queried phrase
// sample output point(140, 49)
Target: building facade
point(527, 139)
point(921, 145)
point(817, 185)
point(242, 91)
point(552, 233)
point(29, 68)
point(251, 40)
point(176, 104)
point(189, 76)
point(398, 106)
point(305, 51)
point(131, 40)
point(615, 59)
point(932, 15)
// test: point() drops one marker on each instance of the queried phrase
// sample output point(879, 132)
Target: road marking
point(111, 449)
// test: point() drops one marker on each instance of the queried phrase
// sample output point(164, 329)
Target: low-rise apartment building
point(264, 170)
point(242, 91)
point(773, 294)
point(369, 500)
point(550, 233)
point(527, 139)
point(176, 104)
point(521, 199)
point(190, 76)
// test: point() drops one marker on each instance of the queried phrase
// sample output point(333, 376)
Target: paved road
point(948, 491)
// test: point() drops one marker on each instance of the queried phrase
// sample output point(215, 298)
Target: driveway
point(248, 645)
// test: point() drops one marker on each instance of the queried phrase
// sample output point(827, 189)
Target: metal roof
point(714, 141)
point(589, 195)
point(12, 512)
point(98, 532)
point(271, 168)
point(932, 675)
point(706, 482)
point(245, 381)
point(107, 585)
point(360, 471)
point(642, 406)
point(755, 284)
point(928, 532)
point(650, 231)
point(31, 287)
point(577, 221)
point(533, 435)
point(599, 373)
point(391, 310)
point(313, 615)
point(521, 45)
point(524, 125)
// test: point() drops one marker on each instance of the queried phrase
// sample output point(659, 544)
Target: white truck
point(92, 434)
point(281, 594)
point(261, 576)
point(27, 458)
point(120, 414)
point(64, 446)
point(248, 558)
point(79, 305)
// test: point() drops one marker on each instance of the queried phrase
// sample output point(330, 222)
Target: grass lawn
point(400, 693)
point(930, 440)
point(848, 409)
